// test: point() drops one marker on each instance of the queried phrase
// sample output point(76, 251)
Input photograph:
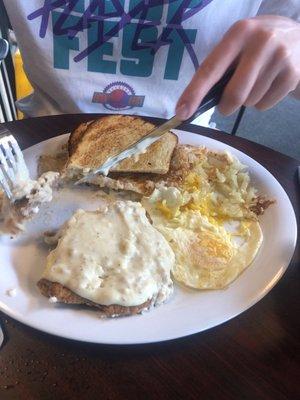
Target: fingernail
point(182, 111)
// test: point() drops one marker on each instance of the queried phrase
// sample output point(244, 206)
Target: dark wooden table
point(254, 356)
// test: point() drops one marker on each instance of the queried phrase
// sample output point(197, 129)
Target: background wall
point(278, 128)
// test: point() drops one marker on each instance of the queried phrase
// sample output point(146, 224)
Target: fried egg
point(211, 248)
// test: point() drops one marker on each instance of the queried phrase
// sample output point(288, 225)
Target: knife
point(210, 100)
point(1, 337)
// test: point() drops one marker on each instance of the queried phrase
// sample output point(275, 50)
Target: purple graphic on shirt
point(96, 12)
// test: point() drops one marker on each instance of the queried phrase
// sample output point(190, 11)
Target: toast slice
point(76, 136)
point(91, 144)
point(183, 160)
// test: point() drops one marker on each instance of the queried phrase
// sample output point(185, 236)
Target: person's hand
point(265, 52)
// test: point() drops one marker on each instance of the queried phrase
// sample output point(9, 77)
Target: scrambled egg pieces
point(208, 222)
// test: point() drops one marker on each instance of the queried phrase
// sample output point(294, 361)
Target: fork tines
point(12, 164)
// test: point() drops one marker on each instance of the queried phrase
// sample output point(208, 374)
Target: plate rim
point(22, 319)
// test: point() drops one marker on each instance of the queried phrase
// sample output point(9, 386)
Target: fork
point(12, 164)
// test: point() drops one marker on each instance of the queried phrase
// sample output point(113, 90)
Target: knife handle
point(213, 97)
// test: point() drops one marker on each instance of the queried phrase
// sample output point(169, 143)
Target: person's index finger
point(218, 61)
point(209, 73)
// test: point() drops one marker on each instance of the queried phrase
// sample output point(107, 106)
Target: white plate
point(187, 312)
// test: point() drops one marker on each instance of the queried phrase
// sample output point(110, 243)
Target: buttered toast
point(91, 144)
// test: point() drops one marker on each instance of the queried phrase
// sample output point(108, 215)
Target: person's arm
point(265, 52)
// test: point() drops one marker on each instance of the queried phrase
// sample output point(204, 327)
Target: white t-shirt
point(121, 56)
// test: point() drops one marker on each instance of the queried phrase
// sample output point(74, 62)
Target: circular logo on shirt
point(118, 96)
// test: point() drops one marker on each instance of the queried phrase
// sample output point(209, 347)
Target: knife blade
point(1, 337)
point(210, 100)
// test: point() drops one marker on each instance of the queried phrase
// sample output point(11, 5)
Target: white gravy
point(113, 256)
